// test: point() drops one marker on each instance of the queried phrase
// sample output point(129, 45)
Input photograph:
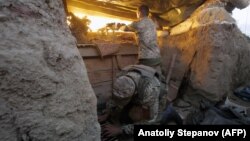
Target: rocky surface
point(212, 57)
point(45, 93)
point(239, 3)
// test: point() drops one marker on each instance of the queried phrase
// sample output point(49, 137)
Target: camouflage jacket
point(149, 99)
point(147, 38)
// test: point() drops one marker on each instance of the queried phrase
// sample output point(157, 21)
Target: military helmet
point(123, 90)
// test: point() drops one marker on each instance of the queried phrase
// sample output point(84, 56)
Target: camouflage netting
point(45, 93)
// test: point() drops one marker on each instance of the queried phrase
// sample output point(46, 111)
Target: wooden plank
point(93, 52)
point(100, 76)
point(102, 86)
point(108, 9)
point(98, 64)
point(173, 89)
point(128, 49)
point(124, 61)
point(86, 45)
point(100, 70)
point(65, 6)
point(88, 52)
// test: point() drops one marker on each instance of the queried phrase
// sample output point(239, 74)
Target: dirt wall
point(45, 93)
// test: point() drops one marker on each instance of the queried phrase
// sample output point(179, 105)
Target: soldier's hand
point(123, 28)
point(111, 130)
point(103, 117)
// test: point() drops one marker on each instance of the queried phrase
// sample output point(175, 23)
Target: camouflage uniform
point(147, 40)
point(135, 89)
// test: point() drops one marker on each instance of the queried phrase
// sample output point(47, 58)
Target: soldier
point(137, 99)
point(149, 52)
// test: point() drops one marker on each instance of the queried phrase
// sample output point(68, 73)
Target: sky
point(242, 18)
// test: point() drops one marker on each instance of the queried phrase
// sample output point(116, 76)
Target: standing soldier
point(149, 52)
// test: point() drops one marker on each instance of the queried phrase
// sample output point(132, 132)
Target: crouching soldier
point(138, 98)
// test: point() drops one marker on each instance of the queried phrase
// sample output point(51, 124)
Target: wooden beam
point(65, 6)
point(103, 8)
point(90, 50)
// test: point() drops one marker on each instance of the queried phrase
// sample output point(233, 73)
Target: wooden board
point(98, 64)
point(106, 9)
point(92, 51)
point(101, 76)
point(88, 52)
point(103, 70)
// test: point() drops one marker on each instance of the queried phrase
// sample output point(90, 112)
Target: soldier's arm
point(110, 105)
point(131, 27)
point(106, 113)
point(128, 129)
point(134, 25)
point(151, 100)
